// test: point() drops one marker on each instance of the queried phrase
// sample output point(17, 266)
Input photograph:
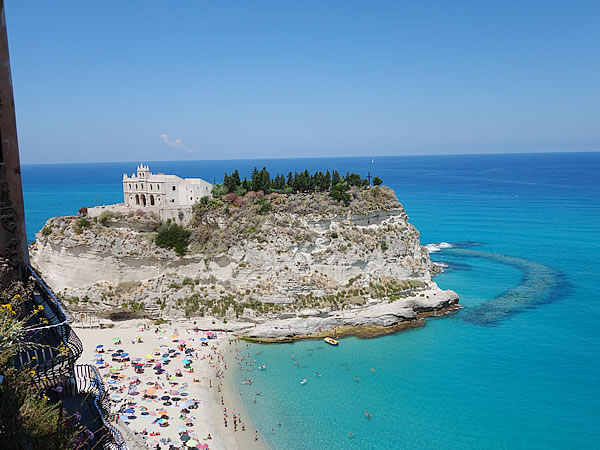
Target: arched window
point(137, 199)
point(151, 200)
point(158, 187)
point(143, 200)
point(129, 185)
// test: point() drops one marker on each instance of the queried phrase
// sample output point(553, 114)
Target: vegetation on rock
point(173, 236)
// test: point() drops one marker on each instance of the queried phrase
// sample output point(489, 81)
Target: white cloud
point(177, 143)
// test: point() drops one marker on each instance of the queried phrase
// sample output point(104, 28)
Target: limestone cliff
point(252, 257)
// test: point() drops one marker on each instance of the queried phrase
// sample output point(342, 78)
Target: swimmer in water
point(368, 415)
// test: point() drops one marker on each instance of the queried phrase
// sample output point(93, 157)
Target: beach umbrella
point(129, 410)
point(186, 361)
point(203, 339)
point(116, 339)
point(174, 392)
point(99, 346)
point(151, 391)
point(191, 443)
point(184, 437)
point(203, 446)
point(165, 397)
point(112, 382)
point(120, 350)
point(99, 362)
point(171, 350)
point(189, 350)
point(114, 355)
point(149, 356)
point(164, 359)
point(98, 355)
point(174, 335)
point(156, 350)
point(123, 355)
point(209, 333)
point(162, 413)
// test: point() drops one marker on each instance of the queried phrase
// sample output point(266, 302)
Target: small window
point(129, 185)
point(158, 187)
point(142, 186)
point(191, 198)
point(173, 187)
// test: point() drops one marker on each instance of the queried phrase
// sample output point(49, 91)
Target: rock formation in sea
point(283, 264)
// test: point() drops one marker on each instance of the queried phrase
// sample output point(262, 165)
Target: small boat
point(303, 381)
point(331, 341)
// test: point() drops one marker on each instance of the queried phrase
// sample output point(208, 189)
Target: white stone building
point(145, 189)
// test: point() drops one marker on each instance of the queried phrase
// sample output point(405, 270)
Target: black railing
point(53, 346)
point(51, 356)
point(85, 393)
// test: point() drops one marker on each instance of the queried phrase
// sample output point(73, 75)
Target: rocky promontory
point(276, 265)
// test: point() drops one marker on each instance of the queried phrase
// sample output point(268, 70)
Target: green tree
point(170, 235)
point(377, 181)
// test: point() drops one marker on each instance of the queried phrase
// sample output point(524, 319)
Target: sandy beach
point(167, 385)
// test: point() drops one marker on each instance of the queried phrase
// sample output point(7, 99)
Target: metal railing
point(52, 356)
point(86, 381)
point(54, 345)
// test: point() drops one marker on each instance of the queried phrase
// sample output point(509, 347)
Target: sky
point(190, 79)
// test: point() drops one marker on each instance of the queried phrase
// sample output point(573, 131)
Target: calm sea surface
point(518, 367)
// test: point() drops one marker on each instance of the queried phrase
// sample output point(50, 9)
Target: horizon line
point(314, 157)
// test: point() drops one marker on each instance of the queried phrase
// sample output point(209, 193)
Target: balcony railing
point(54, 345)
point(86, 393)
point(52, 355)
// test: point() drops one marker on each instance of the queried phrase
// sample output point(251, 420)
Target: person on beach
point(256, 435)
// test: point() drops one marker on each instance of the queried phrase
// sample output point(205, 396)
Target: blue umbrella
point(186, 361)
point(112, 382)
point(202, 339)
point(99, 346)
point(124, 354)
point(129, 410)
point(164, 359)
point(98, 355)
point(99, 362)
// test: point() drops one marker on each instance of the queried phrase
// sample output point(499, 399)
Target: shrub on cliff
point(105, 216)
point(170, 235)
point(340, 194)
point(377, 181)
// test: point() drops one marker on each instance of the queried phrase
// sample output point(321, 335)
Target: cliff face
point(274, 255)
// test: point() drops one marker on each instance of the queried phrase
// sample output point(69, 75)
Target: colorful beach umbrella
point(116, 339)
point(99, 346)
point(191, 443)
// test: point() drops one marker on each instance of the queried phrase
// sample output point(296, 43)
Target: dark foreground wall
point(13, 238)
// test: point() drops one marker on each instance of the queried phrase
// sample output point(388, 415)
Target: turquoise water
point(518, 367)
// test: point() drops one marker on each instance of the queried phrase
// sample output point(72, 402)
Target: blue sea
point(517, 367)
